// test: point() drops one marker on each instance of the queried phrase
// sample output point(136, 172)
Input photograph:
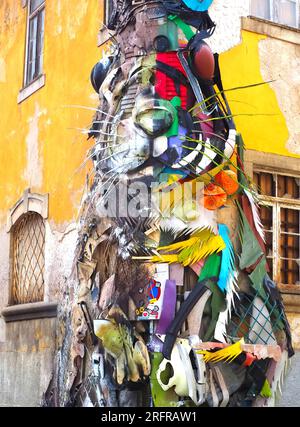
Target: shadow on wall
point(291, 389)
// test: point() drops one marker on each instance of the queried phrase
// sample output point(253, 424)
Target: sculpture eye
point(99, 72)
point(203, 61)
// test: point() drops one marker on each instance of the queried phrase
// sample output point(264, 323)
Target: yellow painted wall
point(36, 134)
point(258, 115)
point(38, 148)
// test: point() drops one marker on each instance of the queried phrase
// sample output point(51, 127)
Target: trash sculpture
point(175, 305)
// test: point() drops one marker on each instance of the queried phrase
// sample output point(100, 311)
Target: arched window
point(26, 225)
point(28, 263)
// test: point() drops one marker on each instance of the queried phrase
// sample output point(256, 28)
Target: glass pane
point(289, 246)
point(109, 7)
point(266, 216)
point(290, 272)
point(269, 251)
point(265, 183)
point(34, 4)
point(289, 220)
point(40, 42)
point(261, 8)
point(31, 59)
point(288, 187)
point(285, 12)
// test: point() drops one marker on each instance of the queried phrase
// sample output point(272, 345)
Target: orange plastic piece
point(214, 197)
point(227, 179)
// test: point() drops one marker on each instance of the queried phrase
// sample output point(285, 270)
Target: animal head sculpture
point(153, 90)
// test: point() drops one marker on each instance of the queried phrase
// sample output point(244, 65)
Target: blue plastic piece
point(198, 5)
point(227, 262)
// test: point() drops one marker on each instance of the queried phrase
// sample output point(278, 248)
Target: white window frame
point(277, 203)
point(29, 17)
point(275, 19)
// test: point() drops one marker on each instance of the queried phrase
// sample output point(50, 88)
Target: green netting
point(243, 323)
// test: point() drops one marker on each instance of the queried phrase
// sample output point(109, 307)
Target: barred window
point(284, 12)
point(28, 259)
point(35, 40)
point(280, 215)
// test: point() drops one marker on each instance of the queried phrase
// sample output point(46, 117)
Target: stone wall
point(26, 360)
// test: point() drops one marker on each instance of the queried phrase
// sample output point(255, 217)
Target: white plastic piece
point(160, 145)
point(183, 378)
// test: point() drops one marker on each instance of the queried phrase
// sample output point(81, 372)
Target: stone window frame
point(257, 160)
point(38, 203)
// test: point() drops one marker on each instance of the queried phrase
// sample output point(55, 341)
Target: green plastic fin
point(211, 267)
point(257, 277)
point(185, 28)
point(218, 304)
point(173, 131)
point(266, 390)
point(251, 249)
point(241, 150)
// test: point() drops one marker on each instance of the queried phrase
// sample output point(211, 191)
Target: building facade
point(47, 52)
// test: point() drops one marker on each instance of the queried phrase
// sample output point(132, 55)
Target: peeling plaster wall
point(280, 61)
point(227, 15)
point(294, 320)
point(40, 149)
point(26, 361)
point(4, 277)
point(33, 173)
point(59, 257)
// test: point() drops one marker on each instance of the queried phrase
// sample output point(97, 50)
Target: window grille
point(28, 241)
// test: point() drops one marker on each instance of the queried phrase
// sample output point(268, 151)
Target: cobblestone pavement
point(291, 389)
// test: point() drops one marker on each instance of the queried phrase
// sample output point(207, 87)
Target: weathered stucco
point(41, 149)
point(280, 62)
point(227, 15)
point(26, 361)
point(256, 109)
point(46, 116)
point(294, 320)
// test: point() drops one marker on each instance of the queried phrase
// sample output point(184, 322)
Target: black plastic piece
point(185, 309)
point(161, 44)
point(99, 72)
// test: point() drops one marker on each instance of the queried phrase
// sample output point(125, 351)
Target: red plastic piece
point(204, 61)
point(164, 85)
point(249, 359)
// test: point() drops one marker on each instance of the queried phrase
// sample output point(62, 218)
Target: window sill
point(271, 29)
point(35, 310)
point(27, 91)
point(291, 297)
point(104, 36)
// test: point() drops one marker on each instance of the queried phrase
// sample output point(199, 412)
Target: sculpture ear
point(100, 71)
point(202, 60)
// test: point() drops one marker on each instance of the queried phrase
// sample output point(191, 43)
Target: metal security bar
point(28, 259)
